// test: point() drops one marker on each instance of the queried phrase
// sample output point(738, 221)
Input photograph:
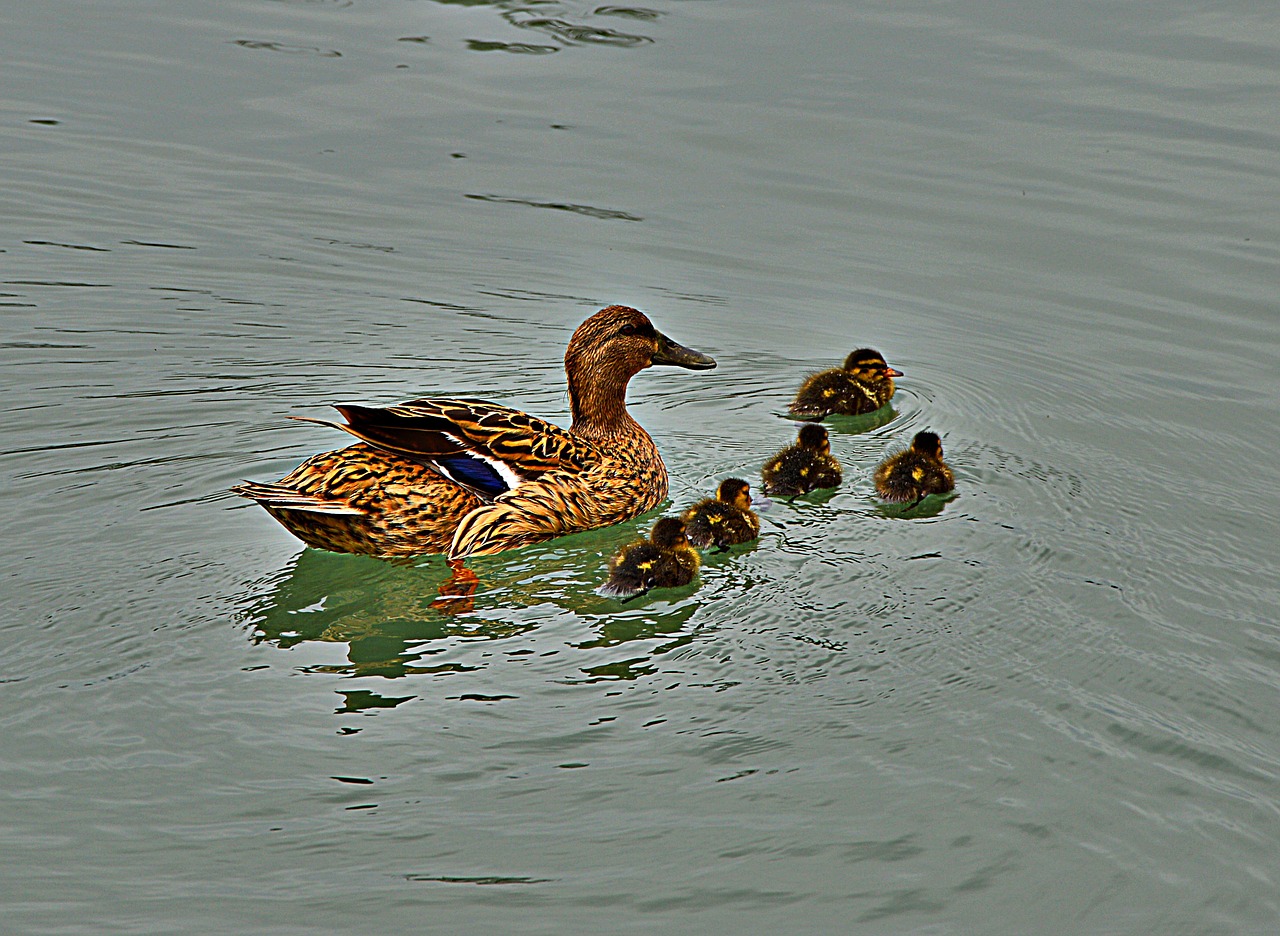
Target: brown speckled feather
point(558, 504)
point(528, 445)
point(471, 477)
point(361, 499)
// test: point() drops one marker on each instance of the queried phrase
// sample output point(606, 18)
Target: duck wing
point(485, 447)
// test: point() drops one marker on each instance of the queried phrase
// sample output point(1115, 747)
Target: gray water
point(1047, 705)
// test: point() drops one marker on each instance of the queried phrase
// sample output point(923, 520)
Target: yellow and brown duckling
point(803, 467)
point(470, 478)
point(916, 472)
point(863, 385)
point(724, 520)
point(665, 560)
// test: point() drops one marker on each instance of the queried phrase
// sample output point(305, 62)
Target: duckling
point(914, 473)
point(725, 520)
point(863, 385)
point(802, 467)
point(664, 560)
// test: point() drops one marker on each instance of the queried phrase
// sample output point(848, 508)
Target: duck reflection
point(401, 619)
point(382, 611)
point(362, 700)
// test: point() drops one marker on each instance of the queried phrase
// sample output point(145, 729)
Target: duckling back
point(803, 467)
point(678, 566)
point(916, 472)
point(724, 520)
point(665, 560)
point(633, 570)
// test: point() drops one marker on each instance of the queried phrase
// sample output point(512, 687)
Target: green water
point(1043, 706)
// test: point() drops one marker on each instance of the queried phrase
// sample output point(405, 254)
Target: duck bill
point(893, 372)
point(679, 356)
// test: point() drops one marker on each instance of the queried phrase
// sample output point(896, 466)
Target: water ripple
point(590, 211)
point(516, 48)
point(286, 48)
point(572, 34)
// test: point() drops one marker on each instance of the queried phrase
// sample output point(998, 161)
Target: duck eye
point(628, 329)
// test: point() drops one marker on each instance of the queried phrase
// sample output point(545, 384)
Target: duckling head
point(870, 365)
point(928, 444)
point(735, 491)
point(610, 348)
point(813, 436)
point(668, 533)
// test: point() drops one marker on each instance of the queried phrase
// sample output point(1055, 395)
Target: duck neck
point(599, 409)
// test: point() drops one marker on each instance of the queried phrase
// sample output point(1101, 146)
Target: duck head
point(927, 444)
point(735, 491)
point(669, 533)
point(869, 365)
point(609, 349)
point(814, 437)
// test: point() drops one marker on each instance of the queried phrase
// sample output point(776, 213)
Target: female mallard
point(664, 560)
point(803, 467)
point(474, 478)
point(915, 473)
point(863, 385)
point(724, 520)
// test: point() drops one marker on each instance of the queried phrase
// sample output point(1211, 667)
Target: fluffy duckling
point(724, 520)
point(915, 473)
point(665, 560)
point(863, 385)
point(802, 467)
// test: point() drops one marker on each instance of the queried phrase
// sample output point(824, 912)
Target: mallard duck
point(863, 385)
point(472, 478)
point(803, 467)
point(665, 560)
point(724, 520)
point(916, 472)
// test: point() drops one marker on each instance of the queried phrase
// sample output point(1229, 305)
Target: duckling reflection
point(803, 467)
point(915, 473)
point(665, 560)
point(724, 520)
point(862, 385)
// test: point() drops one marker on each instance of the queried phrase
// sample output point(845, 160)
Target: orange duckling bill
point(803, 467)
point(665, 560)
point(724, 520)
point(862, 385)
point(470, 478)
point(916, 472)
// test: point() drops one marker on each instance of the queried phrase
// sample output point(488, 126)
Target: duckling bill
point(665, 560)
point(862, 385)
point(916, 472)
point(803, 467)
point(724, 520)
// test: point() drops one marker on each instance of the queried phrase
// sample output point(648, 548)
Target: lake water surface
point(1047, 705)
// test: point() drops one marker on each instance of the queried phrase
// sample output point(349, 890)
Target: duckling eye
point(628, 329)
